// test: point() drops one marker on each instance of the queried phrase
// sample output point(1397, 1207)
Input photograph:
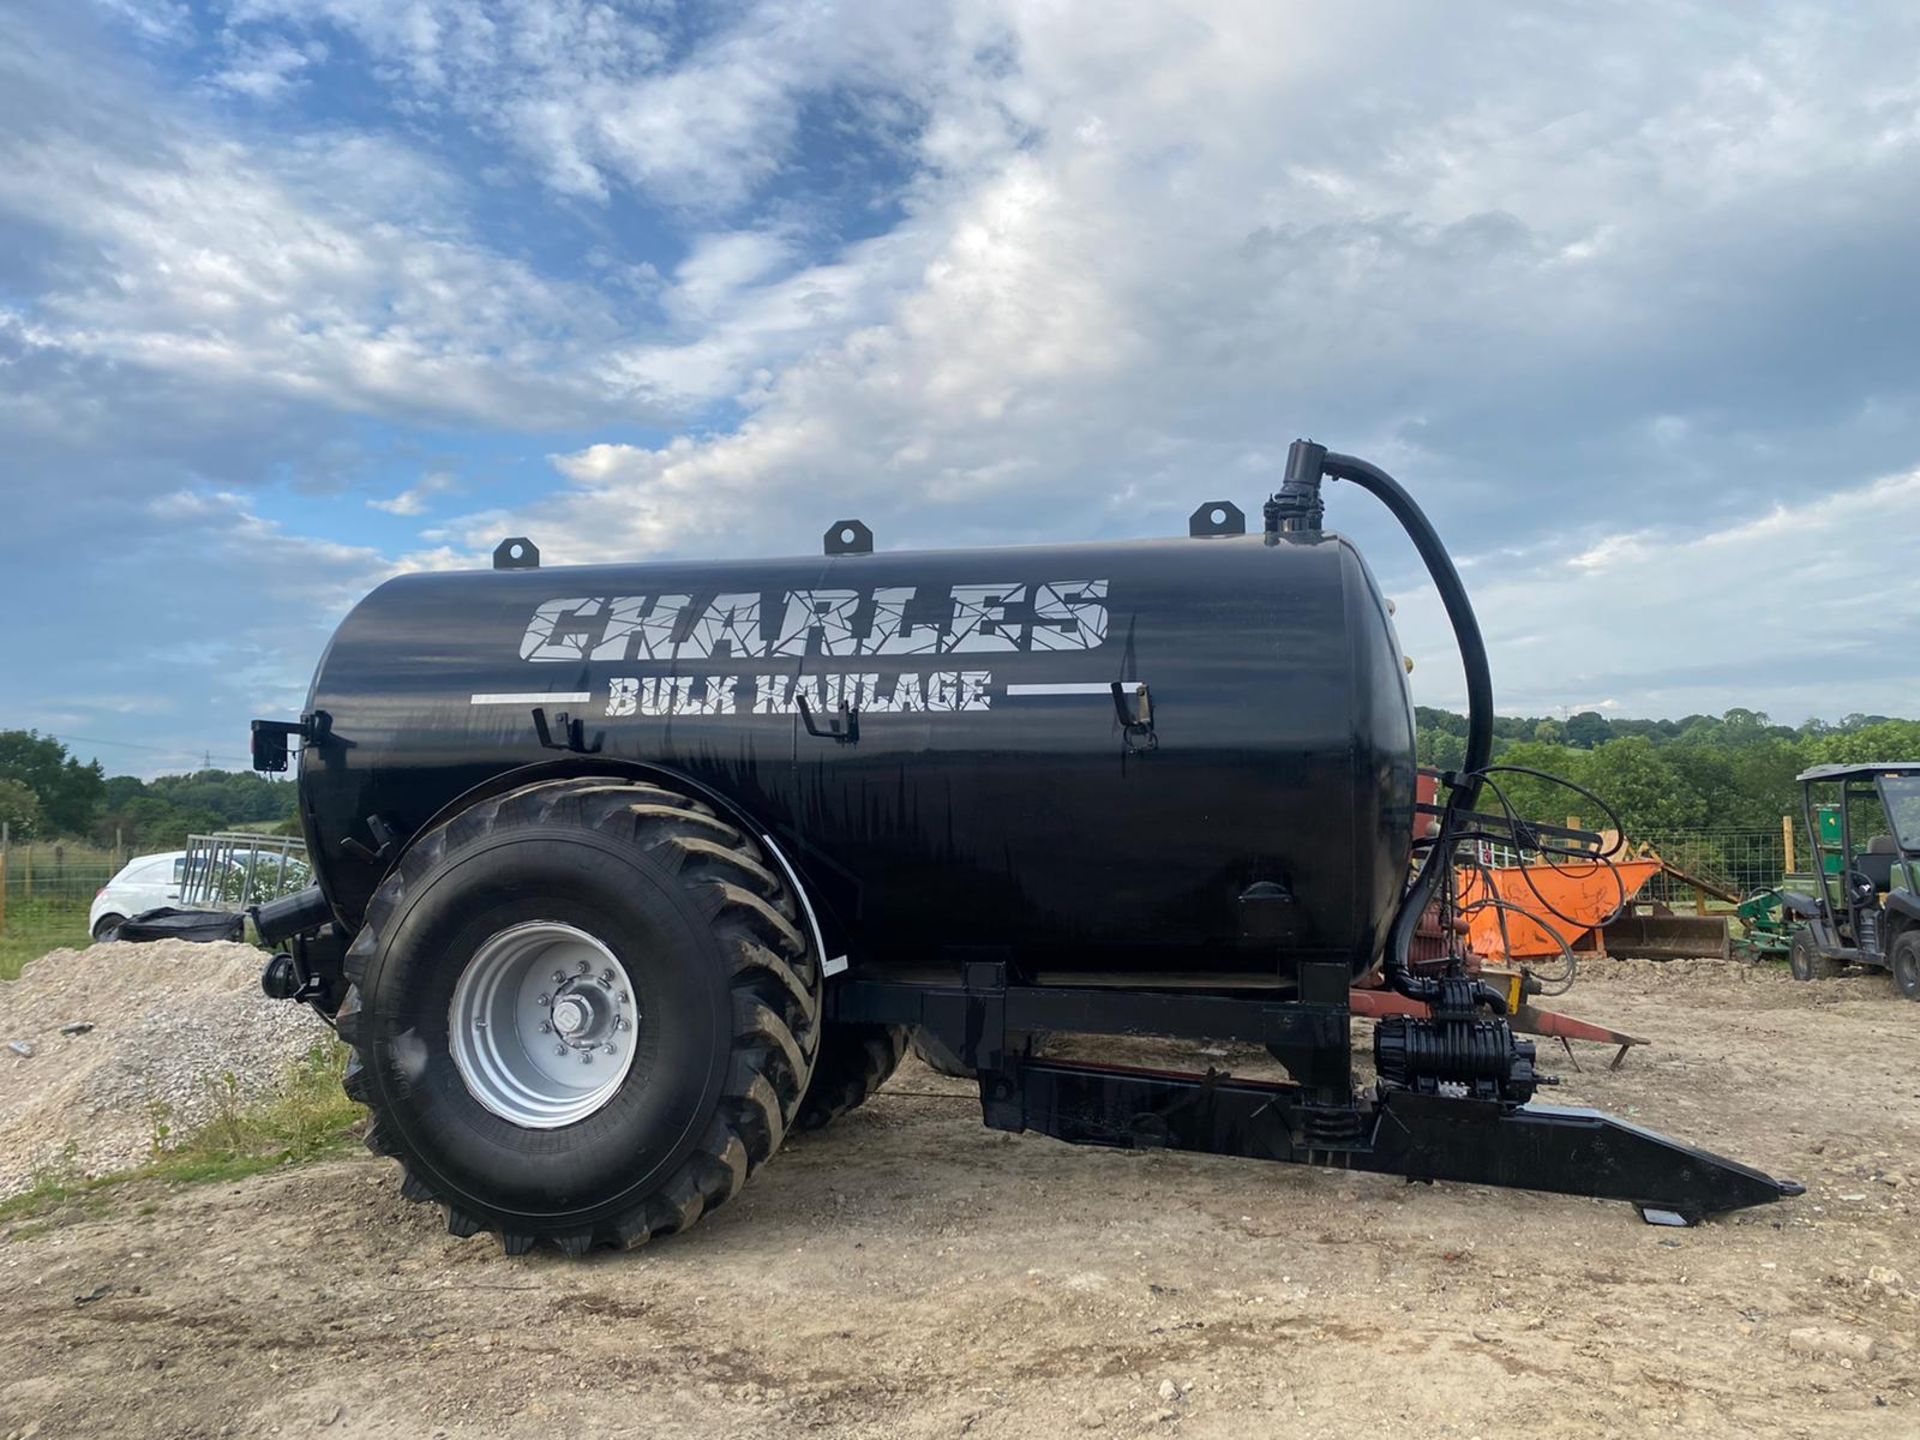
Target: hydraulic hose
point(1465, 789)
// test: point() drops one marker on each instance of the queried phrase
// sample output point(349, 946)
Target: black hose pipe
point(1465, 788)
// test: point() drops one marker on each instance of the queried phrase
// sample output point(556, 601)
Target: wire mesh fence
point(52, 875)
point(1735, 861)
point(45, 894)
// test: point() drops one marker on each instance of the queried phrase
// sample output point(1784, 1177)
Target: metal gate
point(233, 871)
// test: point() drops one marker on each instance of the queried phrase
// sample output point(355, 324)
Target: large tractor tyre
point(855, 1060)
point(1806, 962)
point(582, 1012)
point(939, 1056)
point(1904, 961)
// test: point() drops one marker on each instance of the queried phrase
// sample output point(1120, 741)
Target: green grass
point(308, 1118)
point(37, 926)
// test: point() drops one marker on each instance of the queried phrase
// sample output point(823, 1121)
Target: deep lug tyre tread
point(855, 1061)
point(1903, 959)
point(934, 1053)
point(774, 977)
point(1805, 961)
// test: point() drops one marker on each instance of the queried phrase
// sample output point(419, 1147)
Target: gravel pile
point(101, 1047)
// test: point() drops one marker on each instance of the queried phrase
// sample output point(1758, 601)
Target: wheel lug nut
point(545, 1028)
point(544, 1000)
point(585, 968)
point(559, 977)
point(586, 1057)
point(559, 1049)
point(606, 977)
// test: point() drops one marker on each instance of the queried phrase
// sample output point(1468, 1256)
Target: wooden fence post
point(1786, 838)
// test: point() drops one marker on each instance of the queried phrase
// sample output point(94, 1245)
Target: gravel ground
point(907, 1273)
point(171, 1021)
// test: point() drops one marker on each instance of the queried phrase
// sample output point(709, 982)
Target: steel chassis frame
point(987, 1016)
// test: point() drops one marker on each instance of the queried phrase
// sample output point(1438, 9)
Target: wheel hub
point(571, 1017)
point(543, 1024)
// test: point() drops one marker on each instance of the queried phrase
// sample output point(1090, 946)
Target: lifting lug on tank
point(516, 552)
point(847, 537)
point(1217, 517)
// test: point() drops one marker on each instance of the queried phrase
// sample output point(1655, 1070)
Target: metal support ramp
point(985, 1017)
point(1566, 1150)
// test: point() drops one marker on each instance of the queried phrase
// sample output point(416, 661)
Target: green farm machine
point(1860, 904)
point(1764, 916)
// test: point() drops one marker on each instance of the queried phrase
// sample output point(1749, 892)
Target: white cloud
point(211, 264)
point(333, 270)
point(414, 499)
point(1140, 274)
point(699, 110)
point(1691, 622)
point(153, 21)
point(266, 70)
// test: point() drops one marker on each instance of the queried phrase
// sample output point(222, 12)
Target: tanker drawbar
point(624, 871)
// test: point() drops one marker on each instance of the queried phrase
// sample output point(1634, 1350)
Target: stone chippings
point(171, 1020)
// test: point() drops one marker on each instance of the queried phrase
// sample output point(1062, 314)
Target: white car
point(146, 882)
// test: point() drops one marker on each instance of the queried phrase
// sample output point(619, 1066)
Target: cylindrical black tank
point(998, 798)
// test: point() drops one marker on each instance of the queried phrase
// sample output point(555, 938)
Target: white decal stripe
point(535, 697)
point(1107, 689)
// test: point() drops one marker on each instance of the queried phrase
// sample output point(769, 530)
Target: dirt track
point(908, 1273)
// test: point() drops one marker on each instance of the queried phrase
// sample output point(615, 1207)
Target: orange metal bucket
point(1585, 893)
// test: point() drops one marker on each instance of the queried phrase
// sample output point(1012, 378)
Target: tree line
point(1706, 772)
point(47, 794)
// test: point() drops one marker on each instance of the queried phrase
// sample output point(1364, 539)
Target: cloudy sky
point(298, 293)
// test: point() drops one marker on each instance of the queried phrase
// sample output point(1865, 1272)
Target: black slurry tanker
point(627, 870)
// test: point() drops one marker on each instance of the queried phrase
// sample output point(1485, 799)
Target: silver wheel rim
point(543, 1025)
